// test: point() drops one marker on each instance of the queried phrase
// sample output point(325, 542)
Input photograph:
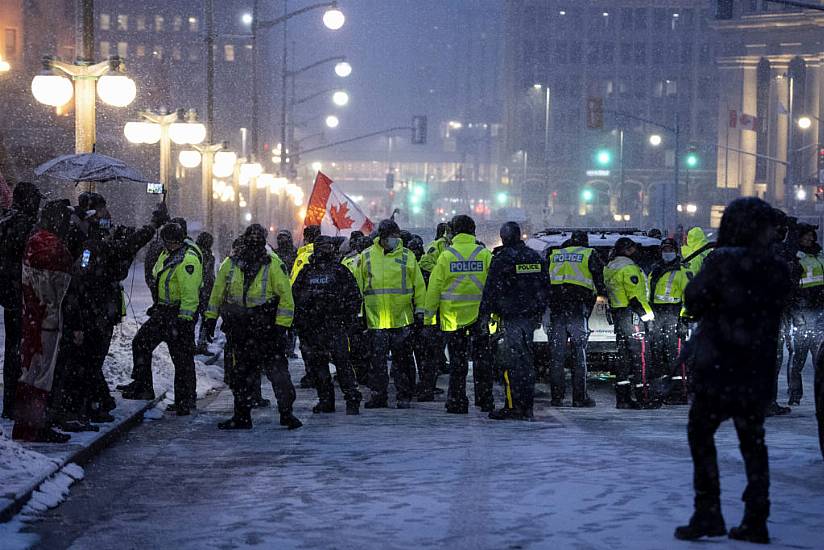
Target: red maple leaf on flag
point(340, 216)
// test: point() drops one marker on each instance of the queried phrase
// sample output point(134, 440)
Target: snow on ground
point(595, 478)
point(22, 464)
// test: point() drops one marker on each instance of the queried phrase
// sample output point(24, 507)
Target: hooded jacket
point(697, 243)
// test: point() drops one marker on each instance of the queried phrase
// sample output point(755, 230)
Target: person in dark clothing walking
point(16, 224)
point(516, 292)
point(327, 302)
point(285, 249)
point(737, 298)
point(576, 274)
point(93, 305)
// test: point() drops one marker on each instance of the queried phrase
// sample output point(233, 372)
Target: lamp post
point(180, 127)
point(204, 155)
point(333, 19)
point(52, 87)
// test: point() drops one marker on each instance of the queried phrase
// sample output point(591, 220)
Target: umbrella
point(89, 167)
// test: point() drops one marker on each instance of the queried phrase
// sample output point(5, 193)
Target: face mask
point(668, 256)
point(392, 242)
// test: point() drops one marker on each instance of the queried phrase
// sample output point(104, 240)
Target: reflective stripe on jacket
point(669, 288)
point(433, 252)
point(270, 283)
point(813, 267)
point(625, 281)
point(177, 279)
point(457, 283)
point(392, 286)
point(570, 266)
point(304, 253)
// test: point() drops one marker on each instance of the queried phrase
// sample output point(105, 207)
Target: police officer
point(177, 277)
point(627, 291)
point(327, 302)
point(393, 292)
point(434, 249)
point(576, 275)
point(516, 292)
point(454, 294)
point(810, 300)
point(310, 233)
point(253, 296)
point(667, 282)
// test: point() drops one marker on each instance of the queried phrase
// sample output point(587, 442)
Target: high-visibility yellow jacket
point(352, 262)
point(457, 283)
point(270, 283)
point(392, 286)
point(696, 240)
point(625, 281)
point(570, 266)
point(177, 278)
point(433, 251)
point(302, 258)
point(669, 288)
point(813, 270)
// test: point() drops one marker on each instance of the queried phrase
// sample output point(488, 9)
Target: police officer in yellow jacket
point(667, 282)
point(454, 295)
point(627, 291)
point(253, 296)
point(304, 254)
point(393, 293)
point(434, 249)
point(177, 276)
point(576, 276)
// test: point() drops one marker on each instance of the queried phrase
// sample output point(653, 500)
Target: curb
point(80, 457)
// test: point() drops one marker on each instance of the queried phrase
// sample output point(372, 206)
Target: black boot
point(236, 423)
point(706, 521)
point(623, 398)
point(290, 421)
point(353, 407)
point(323, 407)
point(508, 414)
point(586, 402)
point(376, 403)
point(753, 527)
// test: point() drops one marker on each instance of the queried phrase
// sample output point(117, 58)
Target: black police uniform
point(516, 290)
point(327, 301)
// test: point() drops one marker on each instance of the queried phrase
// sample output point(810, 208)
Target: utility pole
point(284, 81)
point(255, 101)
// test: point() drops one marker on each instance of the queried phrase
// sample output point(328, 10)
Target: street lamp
point(332, 121)
point(333, 18)
point(655, 140)
point(805, 122)
point(4, 66)
point(51, 87)
point(343, 69)
point(340, 98)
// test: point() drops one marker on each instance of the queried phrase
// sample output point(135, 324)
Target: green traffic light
point(603, 157)
point(501, 197)
point(692, 160)
point(587, 195)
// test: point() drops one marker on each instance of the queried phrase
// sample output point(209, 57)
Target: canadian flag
point(334, 211)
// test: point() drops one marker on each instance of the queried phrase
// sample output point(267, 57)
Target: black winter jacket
point(15, 227)
point(326, 296)
point(517, 284)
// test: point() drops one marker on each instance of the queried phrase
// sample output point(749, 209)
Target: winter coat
point(94, 299)
point(696, 241)
point(326, 296)
point(517, 284)
point(208, 278)
point(15, 228)
point(738, 297)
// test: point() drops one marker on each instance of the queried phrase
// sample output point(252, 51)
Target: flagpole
point(727, 158)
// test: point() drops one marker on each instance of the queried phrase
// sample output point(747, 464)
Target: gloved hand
point(483, 325)
point(647, 317)
point(160, 215)
point(419, 319)
point(209, 326)
point(683, 329)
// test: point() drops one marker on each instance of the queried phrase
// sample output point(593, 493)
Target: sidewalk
point(25, 467)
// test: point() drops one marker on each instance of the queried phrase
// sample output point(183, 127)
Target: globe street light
point(246, 18)
point(332, 121)
point(340, 98)
point(4, 66)
point(333, 19)
point(52, 87)
point(343, 69)
point(655, 140)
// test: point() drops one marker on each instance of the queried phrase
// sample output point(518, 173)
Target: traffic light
point(419, 124)
point(603, 157)
point(587, 195)
point(595, 113)
point(390, 180)
point(819, 193)
point(417, 193)
point(692, 158)
point(501, 197)
point(821, 165)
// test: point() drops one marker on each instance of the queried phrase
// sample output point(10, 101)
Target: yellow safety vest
point(178, 278)
point(392, 286)
point(351, 263)
point(457, 283)
point(433, 252)
point(625, 281)
point(570, 266)
point(269, 283)
point(669, 289)
point(301, 259)
point(813, 270)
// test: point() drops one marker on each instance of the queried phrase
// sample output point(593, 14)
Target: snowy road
point(422, 478)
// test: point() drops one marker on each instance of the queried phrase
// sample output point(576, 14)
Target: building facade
point(652, 60)
point(770, 69)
